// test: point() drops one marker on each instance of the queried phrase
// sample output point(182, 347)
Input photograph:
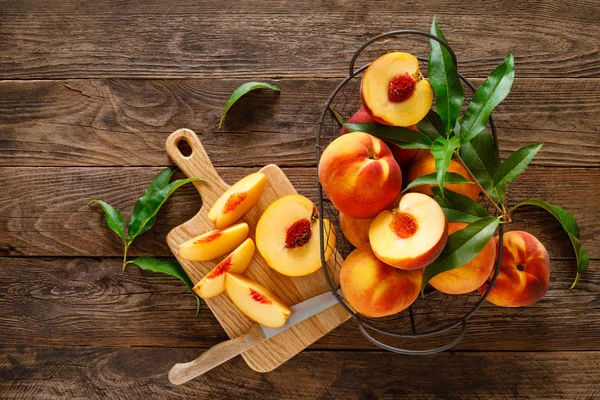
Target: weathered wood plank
point(83, 301)
point(182, 39)
point(44, 211)
point(125, 122)
point(84, 372)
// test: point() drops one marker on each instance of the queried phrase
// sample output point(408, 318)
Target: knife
point(218, 354)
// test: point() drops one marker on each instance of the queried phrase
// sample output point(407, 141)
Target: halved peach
point(411, 236)
point(256, 301)
point(213, 283)
point(237, 200)
point(213, 244)
point(394, 92)
point(287, 236)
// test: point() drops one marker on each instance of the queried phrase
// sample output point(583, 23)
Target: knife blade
point(218, 354)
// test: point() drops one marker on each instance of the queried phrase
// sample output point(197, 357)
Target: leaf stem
point(125, 254)
point(504, 215)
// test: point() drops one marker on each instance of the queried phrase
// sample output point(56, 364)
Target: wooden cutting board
point(292, 290)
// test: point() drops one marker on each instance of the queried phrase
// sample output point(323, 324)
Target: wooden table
point(90, 91)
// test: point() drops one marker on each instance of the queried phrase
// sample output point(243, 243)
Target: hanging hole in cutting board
point(184, 147)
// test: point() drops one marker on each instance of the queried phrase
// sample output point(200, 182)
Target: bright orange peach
point(255, 301)
point(356, 230)
point(412, 235)
point(288, 236)
point(213, 283)
point(374, 288)
point(213, 244)
point(524, 271)
point(359, 174)
point(470, 276)
point(237, 200)
point(394, 92)
point(424, 164)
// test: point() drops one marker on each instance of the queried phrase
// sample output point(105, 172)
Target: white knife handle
point(215, 356)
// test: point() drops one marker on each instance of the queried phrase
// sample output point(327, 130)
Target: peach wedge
point(213, 283)
point(237, 200)
point(394, 92)
point(287, 236)
point(255, 301)
point(213, 244)
point(411, 236)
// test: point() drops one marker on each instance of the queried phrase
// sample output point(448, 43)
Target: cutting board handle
point(197, 164)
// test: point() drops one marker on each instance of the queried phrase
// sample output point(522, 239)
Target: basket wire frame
point(431, 315)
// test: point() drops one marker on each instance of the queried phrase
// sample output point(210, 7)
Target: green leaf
point(495, 89)
point(166, 267)
point(460, 204)
point(462, 246)
point(431, 179)
point(443, 76)
point(569, 225)
point(144, 215)
point(515, 164)
point(113, 217)
point(337, 116)
point(432, 125)
point(481, 158)
point(403, 137)
point(242, 90)
point(442, 150)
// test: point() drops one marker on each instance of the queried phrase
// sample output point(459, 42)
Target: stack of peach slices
point(397, 235)
point(287, 237)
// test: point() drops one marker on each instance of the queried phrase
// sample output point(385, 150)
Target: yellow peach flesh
point(256, 302)
point(213, 283)
point(237, 200)
point(213, 244)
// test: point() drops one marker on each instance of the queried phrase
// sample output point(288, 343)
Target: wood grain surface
point(89, 92)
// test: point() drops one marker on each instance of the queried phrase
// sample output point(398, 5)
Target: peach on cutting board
point(213, 244)
point(255, 301)
point(287, 236)
point(356, 230)
point(394, 92)
point(424, 164)
point(470, 276)
point(412, 235)
point(524, 274)
point(359, 174)
point(237, 200)
point(375, 289)
point(213, 283)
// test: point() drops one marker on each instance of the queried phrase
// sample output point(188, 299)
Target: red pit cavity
point(221, 268)
point(404, 225)
point(208, 238)
point(259, 297)
point(233, 201)
point(401, 88)
point(298, 234)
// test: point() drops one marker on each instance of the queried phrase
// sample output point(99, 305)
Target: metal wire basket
point(435, 321)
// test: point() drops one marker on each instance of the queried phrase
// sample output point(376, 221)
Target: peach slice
point(374, 288)
point(524, 274)
point(394, 92)
point(213, 244)
point(287, 236)
point(424, 164)
point(237, 200)
point(470, 276)
point(255, 301)
point(359, 174)
point(411, 236)
point(356, 230)
point(213, 283)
